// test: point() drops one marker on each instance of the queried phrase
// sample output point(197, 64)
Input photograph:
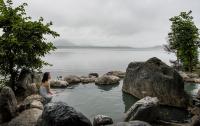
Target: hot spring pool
point(91, 99)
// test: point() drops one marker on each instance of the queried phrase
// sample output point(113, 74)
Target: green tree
point(183, 40)
point(22, 41)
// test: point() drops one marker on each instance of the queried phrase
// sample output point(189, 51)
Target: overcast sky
point(136, 23)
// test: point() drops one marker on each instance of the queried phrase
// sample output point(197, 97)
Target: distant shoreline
point(110, 47)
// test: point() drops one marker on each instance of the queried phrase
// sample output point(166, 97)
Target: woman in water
point(45, 90)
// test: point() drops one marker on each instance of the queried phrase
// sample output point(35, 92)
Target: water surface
point(91, 99)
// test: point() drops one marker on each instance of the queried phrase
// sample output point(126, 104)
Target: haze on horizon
point(136, 23)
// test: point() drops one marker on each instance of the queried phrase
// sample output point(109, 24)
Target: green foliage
point(23, 42)
point(184, 40)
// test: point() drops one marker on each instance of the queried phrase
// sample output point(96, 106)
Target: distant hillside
point(112, 47)
point(151, 47)
point(60, 44)
point(93, 47)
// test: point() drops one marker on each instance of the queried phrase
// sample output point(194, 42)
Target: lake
point(81, 61)
point(92, 99)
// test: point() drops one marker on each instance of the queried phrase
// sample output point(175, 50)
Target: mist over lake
point(81, 61)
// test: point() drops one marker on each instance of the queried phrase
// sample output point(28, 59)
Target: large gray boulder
point(156, 79)
point(60, 114)
point(107, 79)
point(145, 109)
point(133, 123)
point(8, 104)
point(26, 118)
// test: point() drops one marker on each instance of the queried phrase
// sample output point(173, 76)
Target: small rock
point(93, 75)
point(88, 79)
point(190, 77)
point(107, 79)
point(184, 75)
point(58, 84)
point(119, 74)
point(143, 110)
point(133, 123)
point(72, 79)
point(192, 80)
point(193, 75)
point(100, 120)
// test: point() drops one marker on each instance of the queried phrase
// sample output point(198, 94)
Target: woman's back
point(45, 87)
point(43, 91)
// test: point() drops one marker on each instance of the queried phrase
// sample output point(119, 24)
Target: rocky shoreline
point(112, 77)
point(190, 77)
point(28, 110)
point(153, 82)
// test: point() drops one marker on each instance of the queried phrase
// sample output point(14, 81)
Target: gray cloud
point(112, 22)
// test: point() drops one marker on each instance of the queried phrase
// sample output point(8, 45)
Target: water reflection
point(169, 113)
point(72, 86)
point(128, 100)
point(107, 87)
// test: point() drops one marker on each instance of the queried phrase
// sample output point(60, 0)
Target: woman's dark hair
point(45, 77)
